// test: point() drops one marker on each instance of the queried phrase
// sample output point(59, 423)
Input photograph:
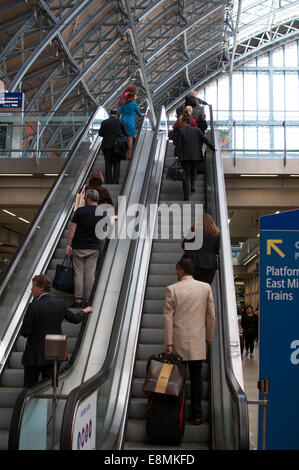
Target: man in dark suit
point(190, 141)
point(113, 130)
point(44, 316)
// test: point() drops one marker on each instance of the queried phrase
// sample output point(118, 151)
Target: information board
point(279, 327)
point(11, 100)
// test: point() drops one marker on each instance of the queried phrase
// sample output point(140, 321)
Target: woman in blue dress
point(127, 113)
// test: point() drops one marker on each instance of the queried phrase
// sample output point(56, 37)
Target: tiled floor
point(251, 377)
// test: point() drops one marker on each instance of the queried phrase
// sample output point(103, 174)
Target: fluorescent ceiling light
point(10, 213)
point(51, 174)
point(294, 176)
point(24, 220)
point(261, 176)
point(16, 174)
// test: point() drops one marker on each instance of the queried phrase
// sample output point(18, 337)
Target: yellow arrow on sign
point(272, 244)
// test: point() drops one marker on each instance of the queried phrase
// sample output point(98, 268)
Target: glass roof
point(257, 16)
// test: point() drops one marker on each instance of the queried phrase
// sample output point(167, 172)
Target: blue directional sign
point(11, 99)
point(279, 327)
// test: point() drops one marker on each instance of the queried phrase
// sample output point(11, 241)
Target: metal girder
point(136, 48)
point(47, 40)
point(97, 48)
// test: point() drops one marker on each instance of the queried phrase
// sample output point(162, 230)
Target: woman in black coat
point(249, 325)
point(205, 259)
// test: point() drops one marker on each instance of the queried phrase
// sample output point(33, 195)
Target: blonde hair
point(188, 110)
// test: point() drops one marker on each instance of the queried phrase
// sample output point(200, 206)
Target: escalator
point(13, 376)
point(138, 331)
point(47, 239)
point(102, 317)
point(162, 272)
point(111, 388)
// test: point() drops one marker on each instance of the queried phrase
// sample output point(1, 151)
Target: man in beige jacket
point(189, 326)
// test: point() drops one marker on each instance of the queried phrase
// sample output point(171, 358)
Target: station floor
point(251, 377)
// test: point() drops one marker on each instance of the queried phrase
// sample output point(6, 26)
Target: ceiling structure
point(71, 56)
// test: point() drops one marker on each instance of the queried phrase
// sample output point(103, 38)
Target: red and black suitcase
point(165, 422)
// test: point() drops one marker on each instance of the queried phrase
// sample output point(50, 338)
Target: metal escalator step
point(169, 237)
point(155, 293)
point(3, 439)
point(5, 417)
point(151, 336)
point(156, 268)
point(8, 396)
point(166, 248)
point(167, 258)
point(157, 280)
point(152, 320)
point(21, 343)
point(144, 351)
point(196, 197)
point(153, 306)
point(15, 360)
point(13, 378)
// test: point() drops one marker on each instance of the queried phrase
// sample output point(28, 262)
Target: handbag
point(80, 199)
point(119, 150)
point(165, 375)
point(176, 172)
point(64, 276)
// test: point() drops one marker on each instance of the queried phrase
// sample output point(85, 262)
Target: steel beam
point(136, 48)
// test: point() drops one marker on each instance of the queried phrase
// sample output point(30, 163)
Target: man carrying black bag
point(114, 146)
point(44, 316)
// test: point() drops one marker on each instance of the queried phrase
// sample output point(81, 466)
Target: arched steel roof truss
point(70, 55)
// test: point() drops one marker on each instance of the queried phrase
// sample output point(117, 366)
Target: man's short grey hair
point(92, 194)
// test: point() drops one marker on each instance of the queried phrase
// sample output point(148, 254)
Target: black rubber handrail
point(237, 394)
point(95, 382)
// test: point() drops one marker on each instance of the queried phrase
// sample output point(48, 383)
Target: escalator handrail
point(84, 390)
point(237, 394)
point(9, 334)
point(6, 275)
